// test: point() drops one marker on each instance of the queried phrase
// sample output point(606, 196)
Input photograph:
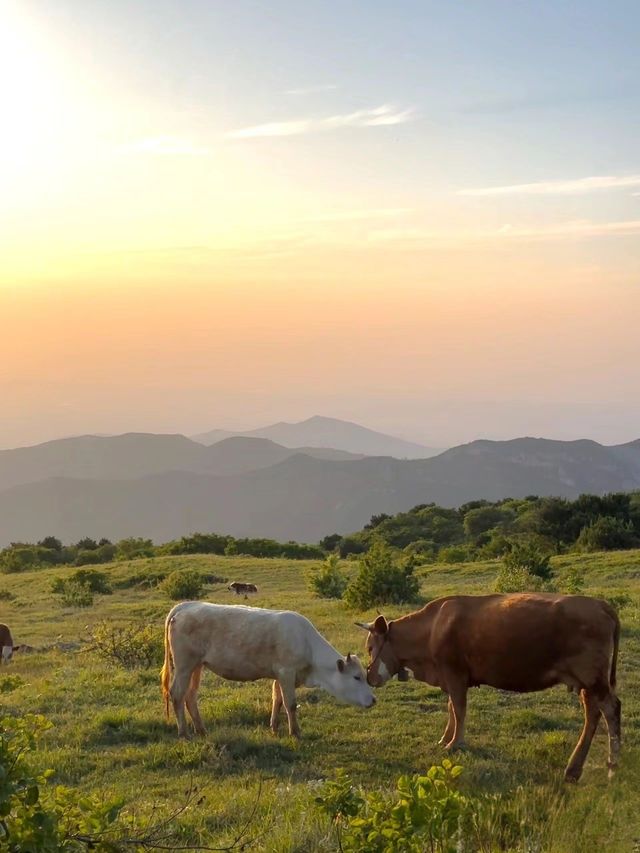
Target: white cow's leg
point(276, 706)
point(178, 692)
point(288, 689)
point(191, 699)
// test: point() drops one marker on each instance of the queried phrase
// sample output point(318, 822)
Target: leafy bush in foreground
point(381, 579)
point(328, 581)
point(36, 816)
point(428, 813)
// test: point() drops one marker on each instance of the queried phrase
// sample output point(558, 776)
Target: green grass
point(109, 734)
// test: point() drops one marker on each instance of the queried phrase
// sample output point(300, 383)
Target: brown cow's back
point(525, 642)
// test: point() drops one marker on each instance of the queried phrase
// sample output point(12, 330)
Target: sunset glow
point(213, 215)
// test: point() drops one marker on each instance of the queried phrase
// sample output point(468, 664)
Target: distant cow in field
point(248, 643)
point(242, 588)
point(6, 643)
point(523, 643)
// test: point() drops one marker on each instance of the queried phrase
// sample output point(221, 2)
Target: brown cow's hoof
point(460, 746)
point(572, 776)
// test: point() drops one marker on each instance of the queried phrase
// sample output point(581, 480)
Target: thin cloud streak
point(166, 145)
point(311, 90)
point(577, 230)
point(570, 187)
point(363, 214)
point(384, 115)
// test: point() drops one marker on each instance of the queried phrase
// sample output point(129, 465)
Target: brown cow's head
point(383, 663)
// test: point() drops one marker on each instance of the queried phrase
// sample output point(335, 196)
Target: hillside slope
point(134, 455)
point(305, 498)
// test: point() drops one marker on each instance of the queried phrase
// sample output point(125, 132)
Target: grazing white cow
point(247, 643)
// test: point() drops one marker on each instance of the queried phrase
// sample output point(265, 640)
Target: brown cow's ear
point(340, 665)
point(380, 626)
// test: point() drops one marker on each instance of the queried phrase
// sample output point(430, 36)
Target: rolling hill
point(330, 432)
point(134, 455)
point(305, 498)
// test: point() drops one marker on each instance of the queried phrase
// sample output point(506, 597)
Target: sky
point(420, 216)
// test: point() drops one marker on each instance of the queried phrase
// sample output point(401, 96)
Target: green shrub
point(133, 548)
point(97, 582)
point(454, 554)
point(328, 581)
point(573, 582)
point(424, 814)
point(74, 593)
point(5, 595)
point(130, 646)
point(517, 579)
point(37, 816)
point(427, 814)
point(183, 584)
point(381, 579)
point(530, 557)
point(9, 683)
point(607, 534)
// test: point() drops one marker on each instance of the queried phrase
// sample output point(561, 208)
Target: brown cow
point(6, 643)
point(242, 588)
point(522, 642)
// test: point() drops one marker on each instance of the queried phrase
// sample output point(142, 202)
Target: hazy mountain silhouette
point(304, 498)
point(330, 432)
point(134, 455)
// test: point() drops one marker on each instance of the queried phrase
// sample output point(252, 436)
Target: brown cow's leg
point(178, 691)
point(591, 718)
point(610, 707)
point(451, 724)
point(288, 688)
point(276, 706)
point(458, 698)
point(191, 699)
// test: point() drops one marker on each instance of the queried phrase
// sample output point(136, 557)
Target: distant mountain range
point(166, 486)
point(329, 432)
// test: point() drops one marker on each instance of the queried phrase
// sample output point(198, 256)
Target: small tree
point(381, 579)
point(328, 581)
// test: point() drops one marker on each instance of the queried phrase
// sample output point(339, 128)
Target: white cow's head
point(7, 652)
point(349, 683)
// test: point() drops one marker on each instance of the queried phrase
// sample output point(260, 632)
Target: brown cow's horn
point(362, 625)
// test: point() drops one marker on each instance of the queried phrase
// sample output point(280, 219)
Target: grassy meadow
point(109, 734)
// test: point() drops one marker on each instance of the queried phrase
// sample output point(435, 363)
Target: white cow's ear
point(340, 665)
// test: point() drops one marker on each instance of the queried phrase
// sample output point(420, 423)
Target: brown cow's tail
point(614, 659)
point(165, 672)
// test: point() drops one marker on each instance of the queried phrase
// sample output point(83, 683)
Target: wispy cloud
point(573, 230)
point(361, 214)
point(166, 145)
point(570, 187)
point(311, 90)
point(386, 114)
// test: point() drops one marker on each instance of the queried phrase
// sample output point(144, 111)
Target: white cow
point(247, 643)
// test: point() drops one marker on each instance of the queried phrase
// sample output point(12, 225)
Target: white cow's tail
point(165, 672)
